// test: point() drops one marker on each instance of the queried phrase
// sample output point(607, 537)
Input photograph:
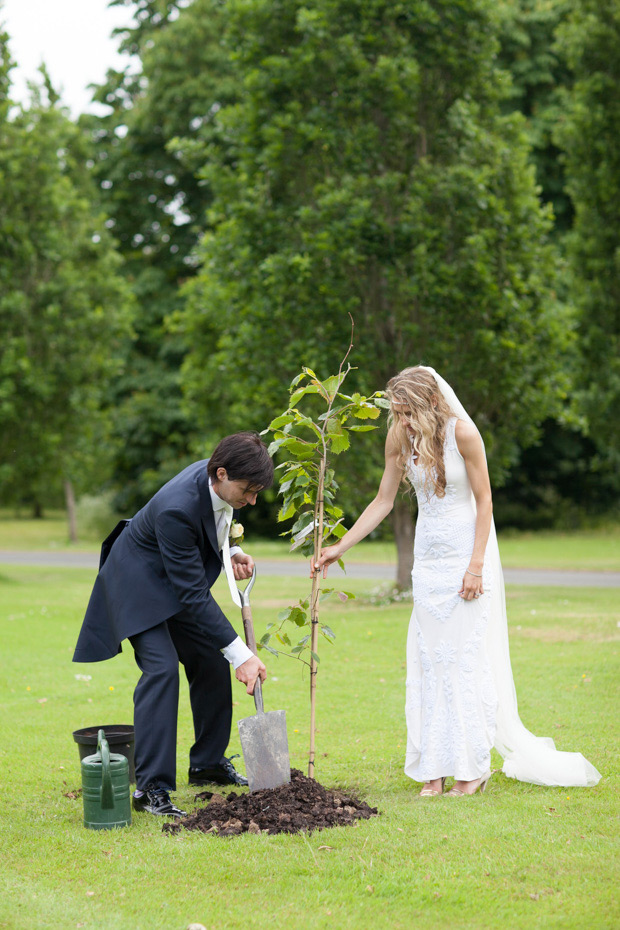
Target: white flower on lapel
point(235, 534)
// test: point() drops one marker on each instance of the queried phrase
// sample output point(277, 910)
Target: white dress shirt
point(236, 652)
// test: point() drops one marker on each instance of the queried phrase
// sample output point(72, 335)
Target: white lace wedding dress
point(451, 698)
point(460, 696)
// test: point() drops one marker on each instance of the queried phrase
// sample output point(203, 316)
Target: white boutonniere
point(235, 534)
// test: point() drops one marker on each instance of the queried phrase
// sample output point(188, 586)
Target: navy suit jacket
point(161, 563)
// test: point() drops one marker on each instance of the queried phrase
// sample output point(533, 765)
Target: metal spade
point(263, 737)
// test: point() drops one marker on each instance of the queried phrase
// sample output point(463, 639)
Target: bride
point(460, 696)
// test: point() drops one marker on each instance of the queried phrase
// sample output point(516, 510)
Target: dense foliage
point(445, 171)
point(63, 305)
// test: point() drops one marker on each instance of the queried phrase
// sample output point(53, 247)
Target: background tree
point(63, 306)
point(590, 40)
point(368, 168)
point(570, 474)
point(173, 84)
point(540, 75)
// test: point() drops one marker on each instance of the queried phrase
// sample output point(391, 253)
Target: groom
point(154, 588)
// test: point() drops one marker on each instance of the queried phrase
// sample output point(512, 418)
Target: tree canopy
point(369, 169)
point(64, 307)
point(590, 41)
point(446, 172)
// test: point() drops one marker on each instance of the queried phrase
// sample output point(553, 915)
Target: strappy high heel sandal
point(481, 787)
point(432, 792)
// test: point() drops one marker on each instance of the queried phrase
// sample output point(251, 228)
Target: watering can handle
point(107, 793)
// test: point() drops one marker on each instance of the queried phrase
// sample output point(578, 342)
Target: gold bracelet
point(473, 573)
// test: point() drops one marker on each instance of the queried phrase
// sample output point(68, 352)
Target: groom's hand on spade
point(327, 557)
point(242, 565)
point(249, 671)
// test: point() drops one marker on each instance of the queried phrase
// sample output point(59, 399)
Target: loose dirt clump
point(302, 805)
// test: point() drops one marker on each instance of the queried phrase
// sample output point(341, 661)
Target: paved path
point(375, 572)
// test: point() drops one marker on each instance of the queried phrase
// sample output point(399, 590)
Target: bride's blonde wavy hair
point(417, 391)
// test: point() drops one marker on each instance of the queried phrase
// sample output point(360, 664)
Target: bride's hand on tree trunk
point(328, 556)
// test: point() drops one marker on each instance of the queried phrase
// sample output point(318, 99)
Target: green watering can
point(105, 788)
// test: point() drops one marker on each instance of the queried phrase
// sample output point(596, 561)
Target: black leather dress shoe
point(156, 801)
point(222, 774)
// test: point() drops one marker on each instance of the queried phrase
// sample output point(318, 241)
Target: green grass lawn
point(516, 857)
point(581, 550)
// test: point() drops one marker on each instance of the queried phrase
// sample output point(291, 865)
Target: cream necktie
point(222, 525)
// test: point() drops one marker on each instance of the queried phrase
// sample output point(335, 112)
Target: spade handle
point(248, 626)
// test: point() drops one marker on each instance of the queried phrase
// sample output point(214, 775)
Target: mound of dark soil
point(304, 804)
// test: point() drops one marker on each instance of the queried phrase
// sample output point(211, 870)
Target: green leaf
point(366, 412)
point(302, 522)
point(325, 593)
point(331, 385)
point(301, 392)
point(335, 512)
point(334, 412)
point(284, 614)
point(285, 513)
point(361, 429)
point(298, 616)
point(308, 423)
point(315, 657)
point(346, 596)
point(327, 632)
point(281, 421)
point(274, 652)
point(339, 442)
point(299, 447)
point(286, 485)
point(341, 564)
point(307, 548)
point(302, 374)
point(301, 536)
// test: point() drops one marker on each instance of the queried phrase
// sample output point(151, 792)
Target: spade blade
point(265, 749)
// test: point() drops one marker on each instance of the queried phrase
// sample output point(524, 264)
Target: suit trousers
point(156, 699)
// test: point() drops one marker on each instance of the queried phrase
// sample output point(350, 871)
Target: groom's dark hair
point(245, 458)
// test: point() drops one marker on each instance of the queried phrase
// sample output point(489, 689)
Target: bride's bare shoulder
point(465, 430)
point(467, 437)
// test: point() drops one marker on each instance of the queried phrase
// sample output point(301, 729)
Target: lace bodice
point(447, 521)
point(445, 532)
point(458, 489)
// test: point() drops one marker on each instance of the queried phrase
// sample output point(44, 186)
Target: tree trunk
point(37, 510)
point(402, 522)
point(70, 504)
point(314, 612)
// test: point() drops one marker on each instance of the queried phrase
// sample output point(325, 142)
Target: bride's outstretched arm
point(472, 450)
point(377, 510)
